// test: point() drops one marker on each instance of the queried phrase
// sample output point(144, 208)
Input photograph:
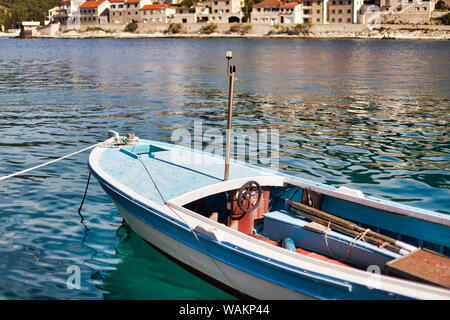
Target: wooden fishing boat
point(263, 234)
point(267, 235)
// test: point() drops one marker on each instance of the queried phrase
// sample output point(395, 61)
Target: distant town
point(79, 12)
point(324, 17)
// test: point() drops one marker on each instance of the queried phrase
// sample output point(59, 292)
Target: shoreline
point(226, 36)
point(357, 32)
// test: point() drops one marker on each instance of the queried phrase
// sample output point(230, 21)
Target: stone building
point(117, 11)
point(276, 12)
point(192, 14)
point(94, 12)
point(406, 11)
point(306, 11)
point(226, 11)
point(157, 13)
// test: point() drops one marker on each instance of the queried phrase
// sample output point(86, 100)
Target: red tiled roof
point(92, 4)
point(275, 3)
point(156, 6)
point(63, 1)
point(289, 5)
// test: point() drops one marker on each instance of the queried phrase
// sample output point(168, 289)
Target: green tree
point(25, 10)
point(247, 9)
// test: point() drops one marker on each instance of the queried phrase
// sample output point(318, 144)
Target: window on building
point(349, 20)
point(340, 10)
point(318, 3)
point(113, 6)
point(349, 11)
point(318, 19)
point(333, 20)
point(184, 20)
point(318, 11)
point(333, 11)
point(334, 3)
point(340, 2)
point(340, 20)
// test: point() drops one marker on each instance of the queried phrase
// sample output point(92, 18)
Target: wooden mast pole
point(231, 70)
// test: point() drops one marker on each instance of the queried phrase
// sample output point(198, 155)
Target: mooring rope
point(49, 162)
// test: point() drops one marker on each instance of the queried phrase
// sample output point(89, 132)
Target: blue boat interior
point(280, 225)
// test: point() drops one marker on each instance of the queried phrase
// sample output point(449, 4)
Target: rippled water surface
point(372, 115)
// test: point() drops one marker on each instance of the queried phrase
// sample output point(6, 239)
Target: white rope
point(49, 162)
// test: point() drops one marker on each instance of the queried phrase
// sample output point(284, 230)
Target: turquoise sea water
point(371, 115)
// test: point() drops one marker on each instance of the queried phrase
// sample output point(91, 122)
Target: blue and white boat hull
point(248, 266)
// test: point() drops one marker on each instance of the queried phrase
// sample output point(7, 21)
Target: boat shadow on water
point(144, 273)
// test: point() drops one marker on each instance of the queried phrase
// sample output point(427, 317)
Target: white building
point(157, 13)
point(276, 12)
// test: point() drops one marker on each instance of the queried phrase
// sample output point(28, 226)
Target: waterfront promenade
point(194, 30)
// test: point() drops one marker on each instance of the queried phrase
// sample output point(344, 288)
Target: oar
point(380, 238)
point(350, 232)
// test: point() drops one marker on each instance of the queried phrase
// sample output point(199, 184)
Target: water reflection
point(371, 115)
point(153, 274)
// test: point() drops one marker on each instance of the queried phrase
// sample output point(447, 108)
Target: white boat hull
point(227, 275)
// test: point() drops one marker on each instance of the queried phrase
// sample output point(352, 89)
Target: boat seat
point(279, 225)
point(301, 251)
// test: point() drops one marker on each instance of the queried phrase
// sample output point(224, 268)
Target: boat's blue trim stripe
point(294, 278)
